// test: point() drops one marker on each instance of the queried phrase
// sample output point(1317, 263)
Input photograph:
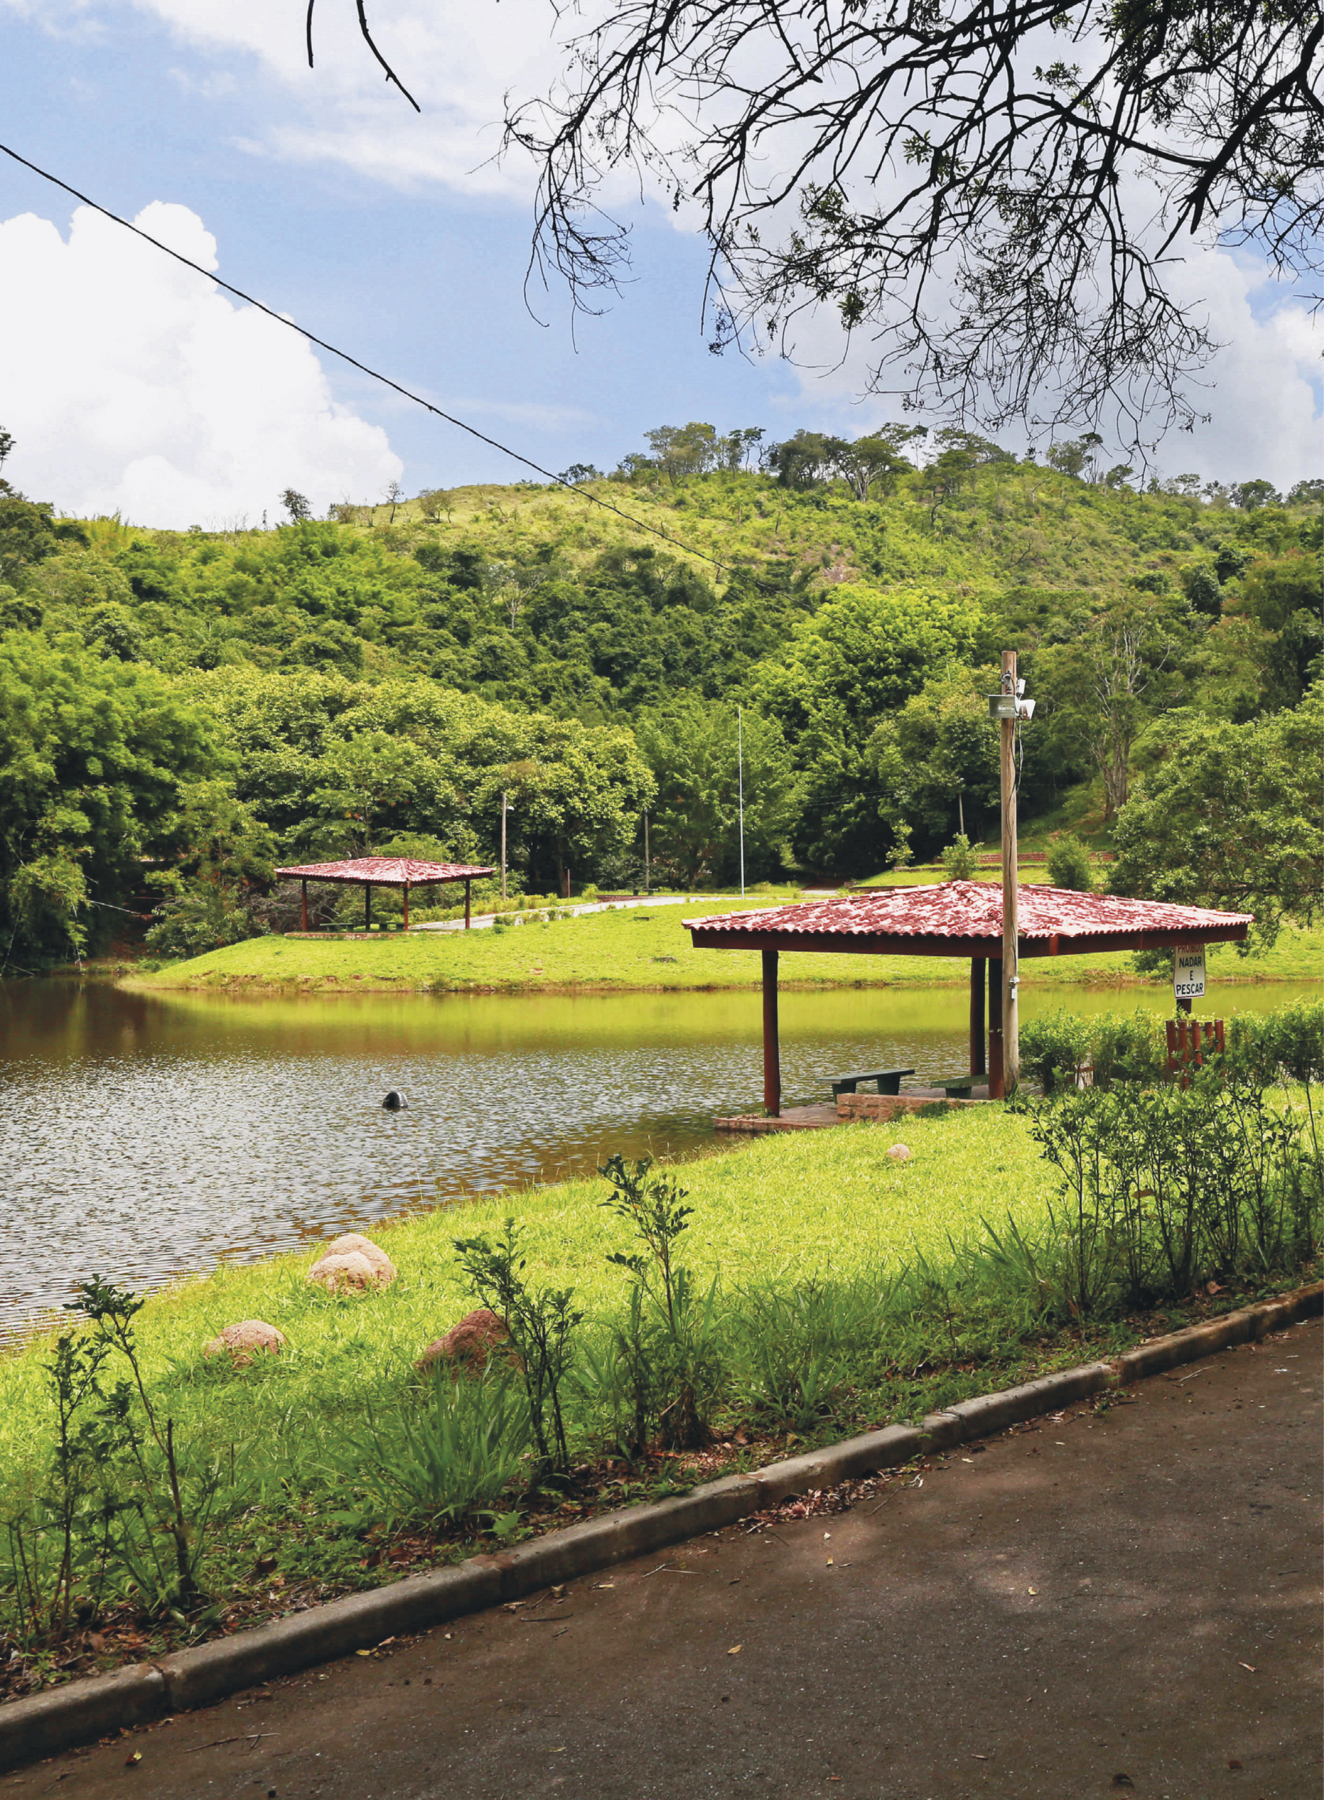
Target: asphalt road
point(1116, 1601)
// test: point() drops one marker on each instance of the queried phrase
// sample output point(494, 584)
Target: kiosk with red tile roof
point(386, 871)
point(956, 918)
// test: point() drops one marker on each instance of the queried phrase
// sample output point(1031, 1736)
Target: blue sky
point(393, 235)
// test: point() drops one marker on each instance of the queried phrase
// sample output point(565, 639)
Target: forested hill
point(317, 687)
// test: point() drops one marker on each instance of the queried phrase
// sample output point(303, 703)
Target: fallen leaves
point(735, 1650)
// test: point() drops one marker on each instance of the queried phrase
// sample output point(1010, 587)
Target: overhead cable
point(374, 374)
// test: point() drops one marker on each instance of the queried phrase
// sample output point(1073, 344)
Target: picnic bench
point(889, 1081)
point(957, 1087)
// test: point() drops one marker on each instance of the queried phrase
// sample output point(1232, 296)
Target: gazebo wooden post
point(772, 1051)
point(303, 899)
point(977, 978)
point(367, 906)
point(406, 906)
point(997, 1084)
point(467, 887)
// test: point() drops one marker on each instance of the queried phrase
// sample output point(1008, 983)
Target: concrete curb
point(97, 1705)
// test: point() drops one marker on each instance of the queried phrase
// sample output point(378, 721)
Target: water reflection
point(146, 1135)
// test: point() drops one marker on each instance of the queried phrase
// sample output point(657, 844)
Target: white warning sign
point(1188, 975)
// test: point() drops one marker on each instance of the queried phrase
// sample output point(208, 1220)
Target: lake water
point(146, 1136)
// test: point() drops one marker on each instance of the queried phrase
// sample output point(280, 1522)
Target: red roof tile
point(973, 909)
point(389, 871)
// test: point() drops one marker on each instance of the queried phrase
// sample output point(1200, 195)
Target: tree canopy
point(995, 192)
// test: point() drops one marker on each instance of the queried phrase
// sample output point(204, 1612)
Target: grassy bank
point(831, 1286)
point(643, 948)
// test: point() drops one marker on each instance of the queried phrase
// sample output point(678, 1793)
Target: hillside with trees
point(180, 711)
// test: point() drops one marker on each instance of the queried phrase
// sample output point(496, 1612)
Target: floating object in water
point(395, 1101)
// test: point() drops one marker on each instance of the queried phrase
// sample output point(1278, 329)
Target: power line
point(374, 374)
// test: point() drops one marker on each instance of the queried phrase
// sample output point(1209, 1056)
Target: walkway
point(1123, 1601)
point(703, 904)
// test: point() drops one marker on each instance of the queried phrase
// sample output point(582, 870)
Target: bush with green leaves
point(1164, 1188)
point(1069, 864)
point(960, 860)
point(1062, 1049)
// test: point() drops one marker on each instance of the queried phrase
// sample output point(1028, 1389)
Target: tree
point(1228, 816)
point(93, 754)
point(1076, 456)
point(873, 462)
point(995, 190)
point(860, 657)
point(803, 461)
point(691, 747)
point(1105, 684)
point(936, 760)
point(681, 450)
point(297, 506)
point(1250, 495)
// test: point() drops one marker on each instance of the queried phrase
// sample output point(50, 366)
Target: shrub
point(959, 860)
point(1069, 864)
point(1165, 1187)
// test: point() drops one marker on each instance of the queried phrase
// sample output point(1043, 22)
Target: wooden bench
point(889, 1081)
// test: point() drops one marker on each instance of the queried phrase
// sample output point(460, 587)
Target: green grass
point(783, 1205)
point(309, 1445)
point(642, 948)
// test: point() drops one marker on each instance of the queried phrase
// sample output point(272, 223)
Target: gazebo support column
point(367, 907)
point(406, 906)
point(977, 978)
point(467, 891)
point(303, 902)
point(997, 1082)
point(772, 1050)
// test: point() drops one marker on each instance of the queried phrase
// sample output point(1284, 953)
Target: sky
point(133, 385)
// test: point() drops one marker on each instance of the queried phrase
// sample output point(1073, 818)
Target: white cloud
point(458, 60)
point(1264, 387)
point(134, 385)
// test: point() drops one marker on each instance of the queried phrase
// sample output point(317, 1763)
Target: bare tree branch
point(366, 34)
point(994, 189)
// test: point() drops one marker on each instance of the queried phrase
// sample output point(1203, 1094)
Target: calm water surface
point(145, 1136)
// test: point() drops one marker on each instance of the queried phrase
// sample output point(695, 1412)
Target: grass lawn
point(642, 948)
point(783, 1205)
point(308, 1448)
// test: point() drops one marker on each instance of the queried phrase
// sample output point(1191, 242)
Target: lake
point(143, 1136)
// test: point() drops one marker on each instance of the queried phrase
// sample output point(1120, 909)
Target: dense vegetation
point(179, 711)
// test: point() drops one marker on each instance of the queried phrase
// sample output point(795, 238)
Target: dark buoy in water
point(395, 1101)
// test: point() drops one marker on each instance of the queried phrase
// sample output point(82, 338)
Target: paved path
point(1116, 1602)
point(705, 904)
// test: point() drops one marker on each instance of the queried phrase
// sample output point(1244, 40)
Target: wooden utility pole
point(503, 844)
point(1011, 1056)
